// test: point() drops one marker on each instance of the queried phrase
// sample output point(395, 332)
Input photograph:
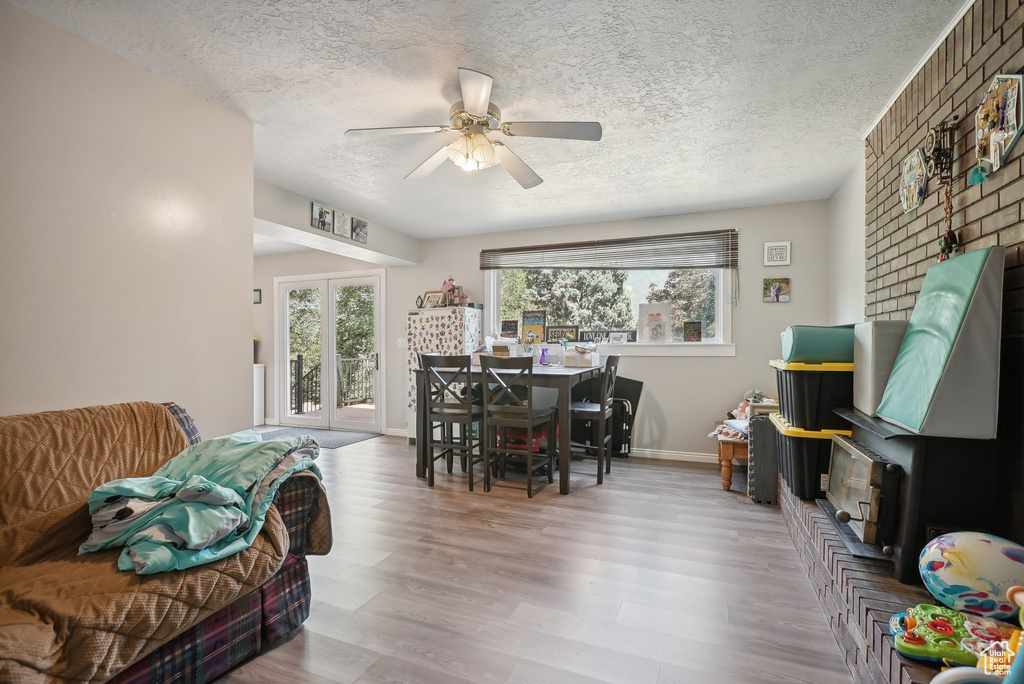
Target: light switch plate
point(403, 343)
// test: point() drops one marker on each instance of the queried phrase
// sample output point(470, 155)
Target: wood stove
point(944, 484)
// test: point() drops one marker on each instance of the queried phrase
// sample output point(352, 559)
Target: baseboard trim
point(687, 456)
point(396, 432)
point(271, 421)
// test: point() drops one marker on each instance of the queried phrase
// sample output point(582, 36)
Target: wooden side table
point(729, 449)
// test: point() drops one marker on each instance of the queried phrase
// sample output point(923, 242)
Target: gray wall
point(846, 249)
point(125, 234)
point(684, 396)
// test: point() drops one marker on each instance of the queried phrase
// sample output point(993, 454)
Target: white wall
point(265, 269)
point(684, 396)
point(125, 234)
point(846, 219)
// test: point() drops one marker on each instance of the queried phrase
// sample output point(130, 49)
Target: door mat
point(327, 439)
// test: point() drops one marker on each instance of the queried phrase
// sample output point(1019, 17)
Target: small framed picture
point(692, 331)
point(654, 321)
point(599, 336)
point(535, 322)
point(342, 225)
point(257, 296)
point(510, 329)
point(557, 333)
point(360, 230)
point(321, 217)
point(433, 299)
point(618, 337)
point(775, 290)
point(776, 253)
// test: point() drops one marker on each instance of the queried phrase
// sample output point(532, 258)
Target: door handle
point(376, 361)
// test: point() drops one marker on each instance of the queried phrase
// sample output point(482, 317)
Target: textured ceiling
point(704, 104)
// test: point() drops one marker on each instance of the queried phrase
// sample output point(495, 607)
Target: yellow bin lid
point(782, 365)
point(783, 426)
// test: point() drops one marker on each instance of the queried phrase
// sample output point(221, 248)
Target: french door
point(330, 361)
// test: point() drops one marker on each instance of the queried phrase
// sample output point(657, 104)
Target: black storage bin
point(804, 457)
point(810, 392)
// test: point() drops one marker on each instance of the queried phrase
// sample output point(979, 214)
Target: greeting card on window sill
point(653, 322)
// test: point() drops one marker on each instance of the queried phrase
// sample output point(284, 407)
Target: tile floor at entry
point(657, 576)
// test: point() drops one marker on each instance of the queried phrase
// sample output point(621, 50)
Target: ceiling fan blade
point(569, 130)
point(517, 168)
point(433, 161)
point(476, 91)
point(395, 130)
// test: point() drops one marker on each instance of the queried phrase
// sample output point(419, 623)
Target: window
point(602, 301)
point(599, 285)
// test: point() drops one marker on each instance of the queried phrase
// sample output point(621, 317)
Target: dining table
point(557, 377)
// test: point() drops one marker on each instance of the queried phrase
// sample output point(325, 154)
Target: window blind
point(711, 249)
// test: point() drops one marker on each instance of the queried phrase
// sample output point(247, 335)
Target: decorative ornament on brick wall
point(913, 180)
point(940, 150)
point(997, 125)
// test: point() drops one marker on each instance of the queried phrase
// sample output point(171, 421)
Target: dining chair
point(510, 418)
point(598, 415)
point(449, 403)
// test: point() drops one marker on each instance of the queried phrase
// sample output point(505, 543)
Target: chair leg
point(449, 431)
point(601, 455)
point(552, 442)
point(485, 446)
point(430, 464)
point(608, 455)
point(462, 440)
point(467, 458)
point(529, 462)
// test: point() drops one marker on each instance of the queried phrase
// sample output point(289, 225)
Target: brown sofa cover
point(65, 617)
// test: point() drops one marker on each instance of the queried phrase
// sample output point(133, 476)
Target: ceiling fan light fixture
point(472, 152)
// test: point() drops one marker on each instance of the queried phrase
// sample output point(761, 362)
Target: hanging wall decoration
point(997, 125)
point(913, 180)
point(940, 148)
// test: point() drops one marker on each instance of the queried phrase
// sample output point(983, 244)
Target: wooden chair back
point(448, 381)
point(501, 400)
point(611, 372)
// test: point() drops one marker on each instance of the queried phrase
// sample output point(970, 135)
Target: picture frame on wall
point(535, 322)
point(776, 253)
point(360, 230)
point(775, 291)
point(654, 322)
point(257, 296)
point(342, 224)
point(321, 218)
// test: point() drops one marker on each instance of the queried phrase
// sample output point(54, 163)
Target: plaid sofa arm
point(302, 503)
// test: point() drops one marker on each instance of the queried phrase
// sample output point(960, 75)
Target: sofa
point(65, 617)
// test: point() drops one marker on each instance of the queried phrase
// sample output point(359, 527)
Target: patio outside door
point(331, 343)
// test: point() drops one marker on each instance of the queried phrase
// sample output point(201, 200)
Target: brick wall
point(900, 247)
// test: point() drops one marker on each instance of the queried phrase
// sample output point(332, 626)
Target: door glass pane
point(355, 360)
point(304, 352)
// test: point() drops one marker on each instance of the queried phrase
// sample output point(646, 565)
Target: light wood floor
point(657, 576)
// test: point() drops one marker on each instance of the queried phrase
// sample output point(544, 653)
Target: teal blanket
point(206, 503)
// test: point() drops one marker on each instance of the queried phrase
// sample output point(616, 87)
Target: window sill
point(669, 349)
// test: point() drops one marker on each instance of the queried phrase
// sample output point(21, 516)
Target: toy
point(971, 572)
point(996, 659)
point(930, 632)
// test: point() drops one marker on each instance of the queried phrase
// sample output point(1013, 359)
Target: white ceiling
point(704, 104)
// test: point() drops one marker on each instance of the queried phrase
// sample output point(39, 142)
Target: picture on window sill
point(775, 290)
point(618, 338)
point(560, 333)
point(692, 331)
point(535, 322)
point(510, 329)
point(654, 321)
point(321, 218)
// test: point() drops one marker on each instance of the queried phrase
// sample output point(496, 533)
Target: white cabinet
point(259, 379)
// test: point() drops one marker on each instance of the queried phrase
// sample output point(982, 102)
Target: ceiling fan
point(473, 118)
